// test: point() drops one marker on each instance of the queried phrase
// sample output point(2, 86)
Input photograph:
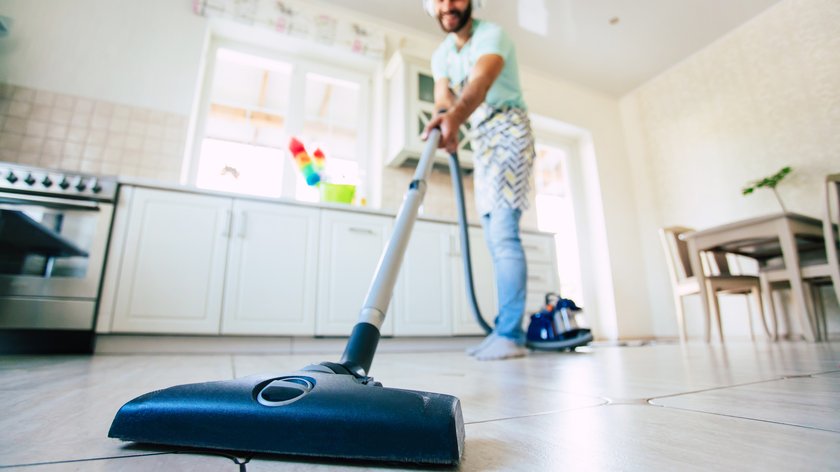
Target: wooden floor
point(652, 407)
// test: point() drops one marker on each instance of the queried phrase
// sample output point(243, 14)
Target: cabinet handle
point(361, 230)
point(536, 279)
point(243, 223)
point(226, 228)
point(529, 246)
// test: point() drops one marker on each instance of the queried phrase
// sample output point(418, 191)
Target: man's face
point(453, 14)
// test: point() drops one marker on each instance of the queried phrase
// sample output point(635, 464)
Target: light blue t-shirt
point(487, 38)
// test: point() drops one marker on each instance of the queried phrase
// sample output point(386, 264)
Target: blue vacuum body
point(556, 327)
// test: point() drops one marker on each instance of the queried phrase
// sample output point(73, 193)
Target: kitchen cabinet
point(172, 267)
point(484, 283)
point(411, 105)
point(423, 296)
point(202, 264)
point(270, 278)
point(542, 278)
point(351, 245)
point(196, 263)
point(542, 269)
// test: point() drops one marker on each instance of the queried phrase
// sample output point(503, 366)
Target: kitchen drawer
point(538, 248)
point(542, 278)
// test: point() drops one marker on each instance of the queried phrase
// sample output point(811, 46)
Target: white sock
point(500, 348)
point(472, 350)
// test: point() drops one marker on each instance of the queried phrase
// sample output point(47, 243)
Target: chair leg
point(767, 293)
point(715, 308)
point(750, 319)
point(779, 302)
point(819, 313)
point(756, 295)
point(823, 316)
point(811, 306)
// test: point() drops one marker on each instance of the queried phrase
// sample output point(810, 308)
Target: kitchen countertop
point(156, 184)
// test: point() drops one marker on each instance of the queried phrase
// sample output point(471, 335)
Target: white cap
point(429, 6)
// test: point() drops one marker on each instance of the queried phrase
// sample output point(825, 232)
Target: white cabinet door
point(423, 302)
point(270, 282)
point(542, 270)
point(173, 264)
point(351, 244)
point(463, 321)
point(411, 106)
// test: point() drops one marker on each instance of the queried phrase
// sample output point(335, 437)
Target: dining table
point(784, 235)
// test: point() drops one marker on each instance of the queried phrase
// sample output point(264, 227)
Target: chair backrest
point(831, 218)
point(676, 253)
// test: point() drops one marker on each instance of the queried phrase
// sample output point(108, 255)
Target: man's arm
point(486, 70)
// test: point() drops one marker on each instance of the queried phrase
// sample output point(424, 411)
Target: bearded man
point(477, 79)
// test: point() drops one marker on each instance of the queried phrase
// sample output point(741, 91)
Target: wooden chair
point(719, 280)
point(817, 272)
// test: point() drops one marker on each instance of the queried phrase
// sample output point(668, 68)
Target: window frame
point(300, 66)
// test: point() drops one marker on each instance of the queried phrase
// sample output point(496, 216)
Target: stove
point(54, 232)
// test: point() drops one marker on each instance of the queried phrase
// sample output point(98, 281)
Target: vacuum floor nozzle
point(306, 413)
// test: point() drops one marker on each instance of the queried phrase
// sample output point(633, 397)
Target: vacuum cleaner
point(327, 410)
point(332, 409)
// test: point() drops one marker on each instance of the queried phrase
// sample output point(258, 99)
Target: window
point(555, 214)
point(255, 101)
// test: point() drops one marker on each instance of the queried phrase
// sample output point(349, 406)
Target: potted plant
point(769, 182)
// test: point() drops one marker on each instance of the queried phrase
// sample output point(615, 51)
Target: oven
point(54, 231)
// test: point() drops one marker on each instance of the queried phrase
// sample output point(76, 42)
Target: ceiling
point(579, 44)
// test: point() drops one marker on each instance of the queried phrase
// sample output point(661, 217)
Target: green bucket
point(337, 193)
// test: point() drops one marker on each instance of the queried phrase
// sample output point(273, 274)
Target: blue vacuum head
point(313, 412)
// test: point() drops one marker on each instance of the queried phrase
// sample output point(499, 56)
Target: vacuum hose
point(458, 186)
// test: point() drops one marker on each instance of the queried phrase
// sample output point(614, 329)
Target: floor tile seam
point(726, 387)
point(542, 413)
point(747, 418)
point(89, 459)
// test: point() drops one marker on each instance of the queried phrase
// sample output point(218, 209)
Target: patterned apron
point(503, 155)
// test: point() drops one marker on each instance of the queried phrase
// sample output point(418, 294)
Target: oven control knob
point(29, 179)
point(80, 185)
point(64, 183)
point(47, 182)
point(11, 177)
point(94, 186)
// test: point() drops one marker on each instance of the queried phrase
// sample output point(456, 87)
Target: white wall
point(140, 53)
point(610, 256)
point(765, 96)
point(149, 53)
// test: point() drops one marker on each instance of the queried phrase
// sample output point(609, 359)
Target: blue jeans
point(501, 231)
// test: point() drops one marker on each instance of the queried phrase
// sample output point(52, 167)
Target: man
point(476, 78)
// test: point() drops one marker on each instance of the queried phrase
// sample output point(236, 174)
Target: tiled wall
point(46, 129)
point(57, 131)
point(439, 199)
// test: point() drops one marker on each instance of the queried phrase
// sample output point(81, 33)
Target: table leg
point(697, 269)
point(791, 258)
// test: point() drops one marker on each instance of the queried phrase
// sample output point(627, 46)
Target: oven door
point(52, 247)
